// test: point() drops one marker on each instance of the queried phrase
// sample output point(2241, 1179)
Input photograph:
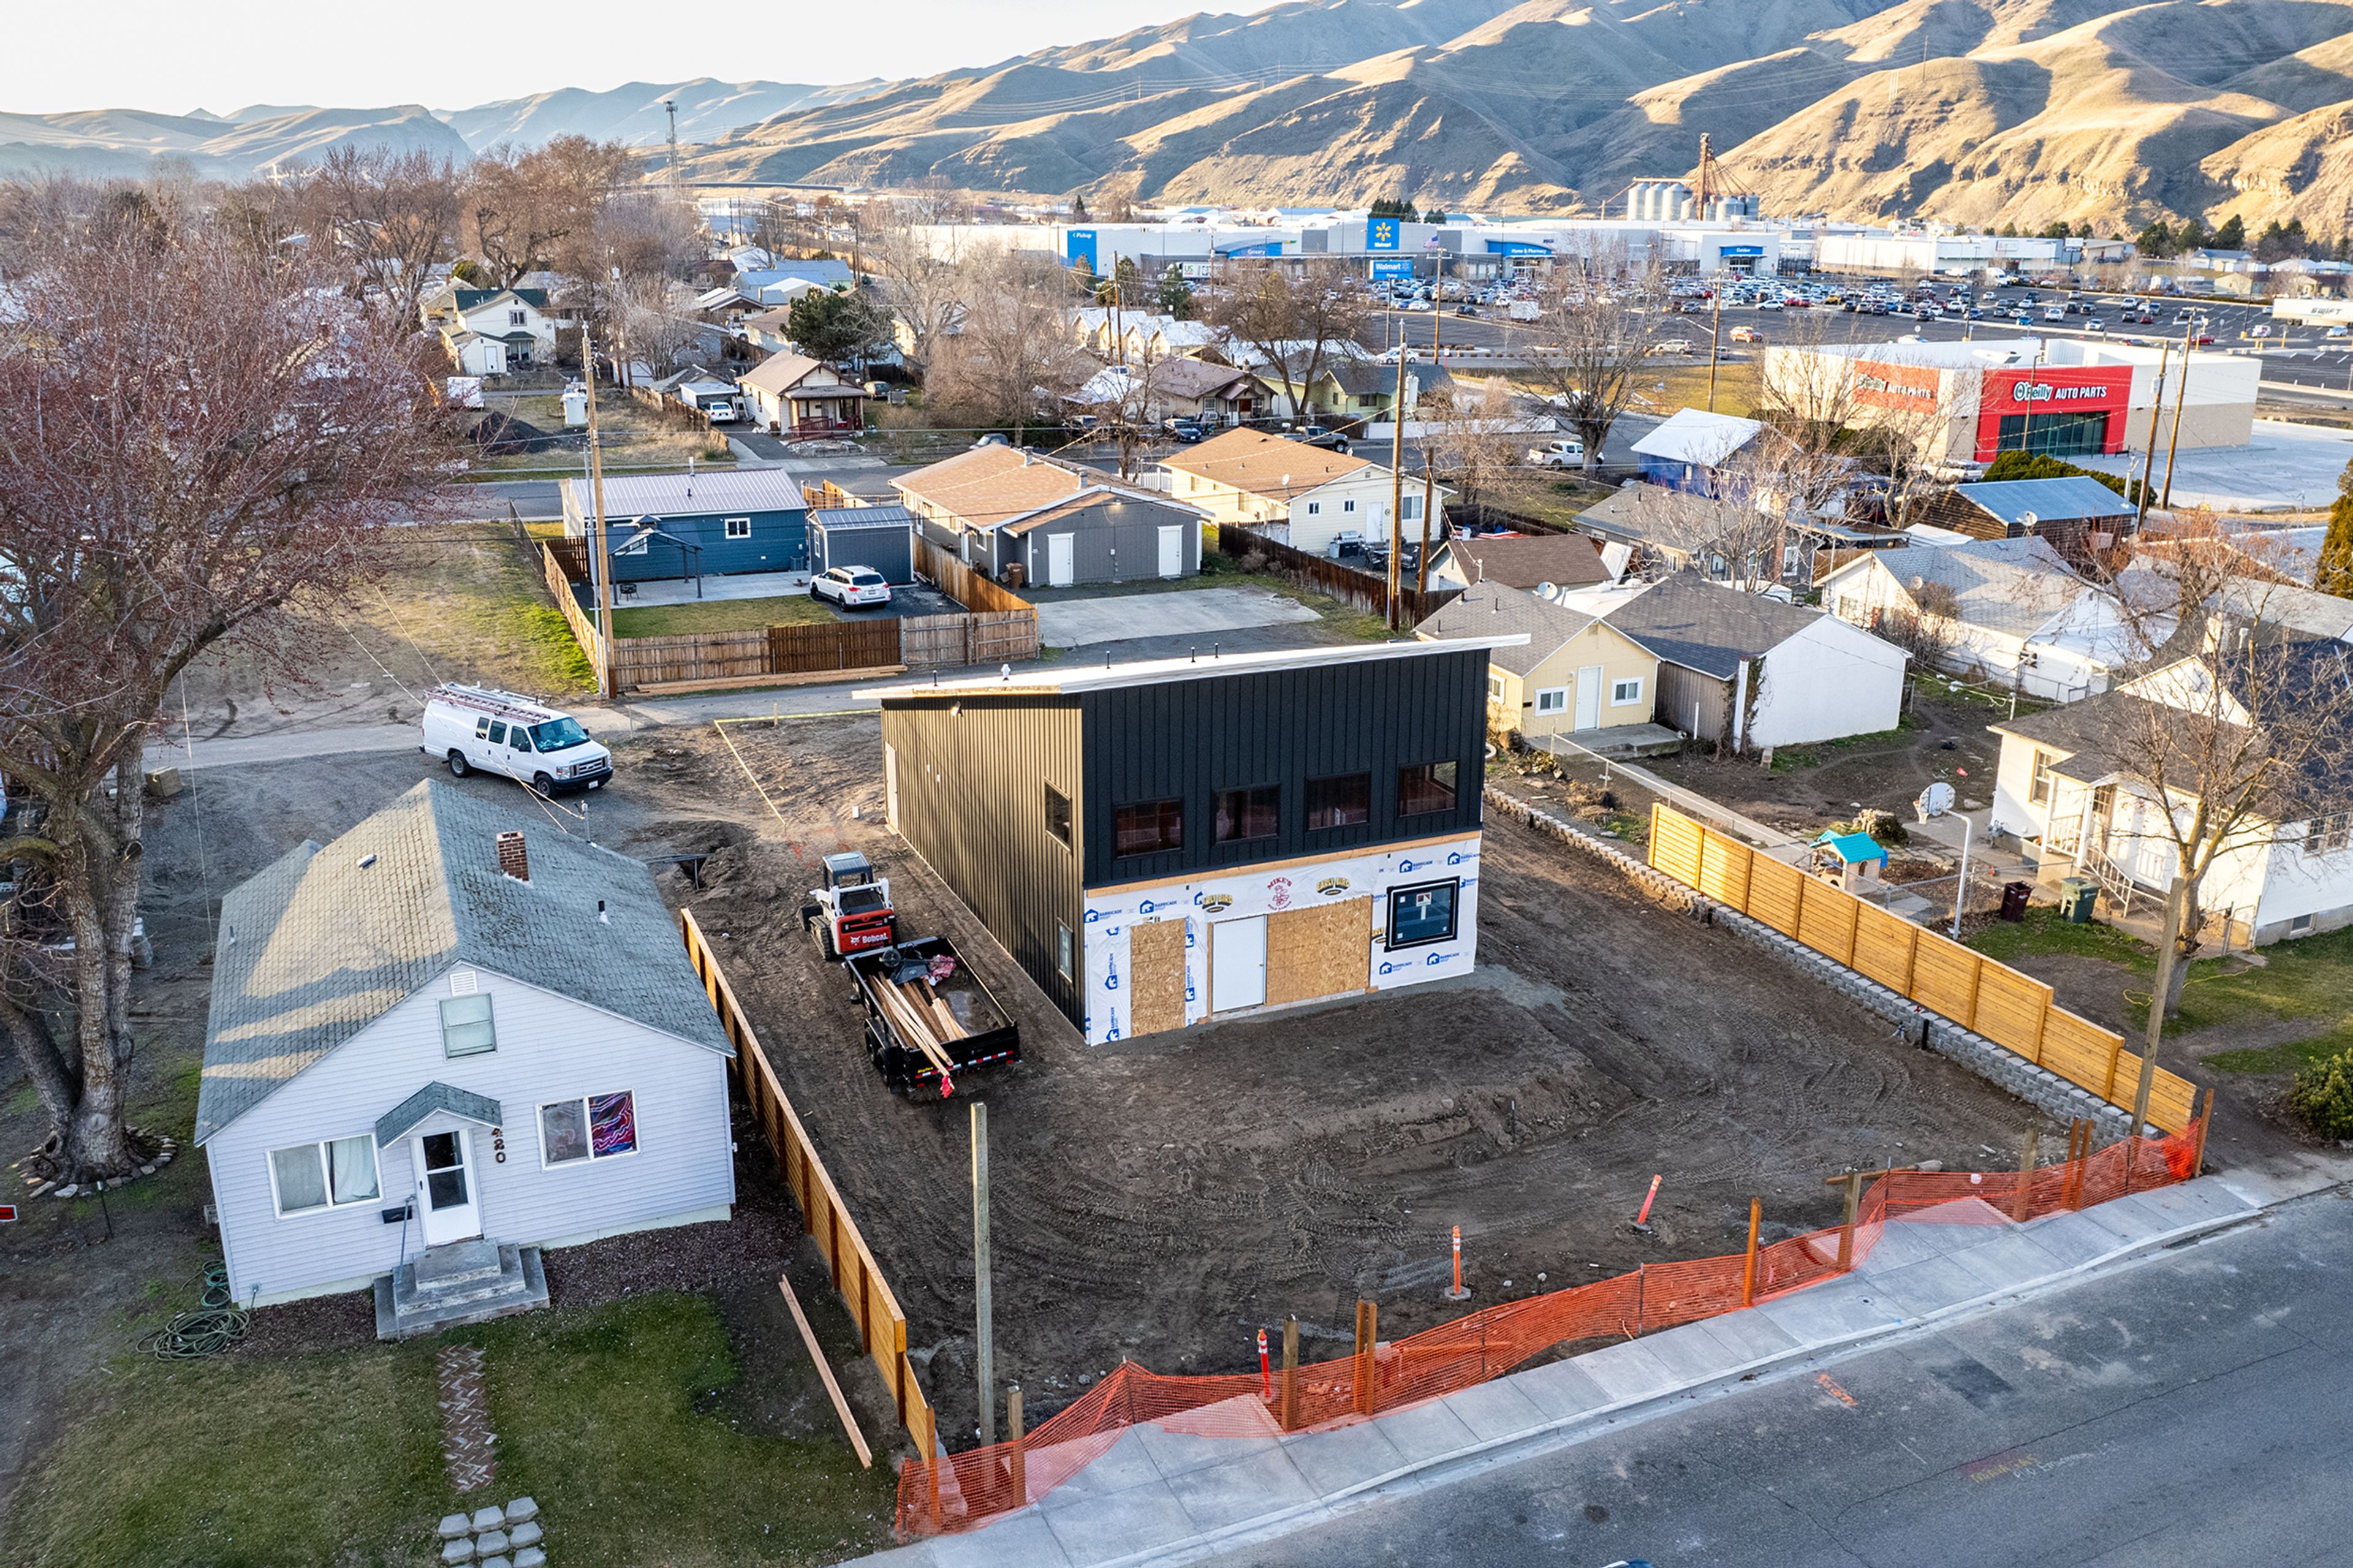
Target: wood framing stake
point(840, 1405)
point(2197, 1149)
point(1368, 1322)
point(1290, 1417)
point(1748, 1266)
point(1013, 1435)
point(2019, 1201)
point(1846, 1230)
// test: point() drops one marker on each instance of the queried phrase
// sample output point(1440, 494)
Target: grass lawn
point(634, 435)
point(2298, 980)
point(1785, 758)
point(464, 601)
point(720, 615)
point(617, 1418)
point(2043, 932)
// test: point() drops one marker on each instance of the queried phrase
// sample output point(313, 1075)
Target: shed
point(2076, 514)
point(880, 536)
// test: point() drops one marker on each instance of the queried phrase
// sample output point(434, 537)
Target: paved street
point(2191, 1410)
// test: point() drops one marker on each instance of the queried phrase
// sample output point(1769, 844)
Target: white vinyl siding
point(336, 1172)
point(550, 1046)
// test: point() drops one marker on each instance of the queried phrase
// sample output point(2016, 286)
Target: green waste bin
point(2075, 896)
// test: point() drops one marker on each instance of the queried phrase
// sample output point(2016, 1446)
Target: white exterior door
point(1237, 963)
point(447, 1207)
point(1589, 697)
point(1172, 551)
point(1061, 560)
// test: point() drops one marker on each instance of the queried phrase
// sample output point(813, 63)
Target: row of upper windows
point(1254, 813)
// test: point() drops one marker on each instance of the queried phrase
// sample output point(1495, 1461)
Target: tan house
point(1573, 675)
point(1304, 496)
point(793, 395)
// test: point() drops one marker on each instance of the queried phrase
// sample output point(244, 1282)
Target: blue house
point(1690, 449)
point(706, 524)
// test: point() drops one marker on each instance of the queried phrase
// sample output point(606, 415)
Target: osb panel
point(2079, 1050)
point(1325, 949)
point(1882, 947)
point(1724, 871)
point(1825, 923)
point(1675, 845)
point(2011, 1008)
point(1945, 979)
point(1156, 975)
point(1774, 891)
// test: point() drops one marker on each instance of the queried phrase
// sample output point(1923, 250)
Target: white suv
point(852, 587)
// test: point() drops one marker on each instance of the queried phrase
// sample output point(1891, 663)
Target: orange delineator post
point(1748, 1266)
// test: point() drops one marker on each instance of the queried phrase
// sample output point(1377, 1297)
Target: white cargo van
point(475, 729)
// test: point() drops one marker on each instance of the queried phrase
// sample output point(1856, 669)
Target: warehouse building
point(1159, 844)
point(1967, 401)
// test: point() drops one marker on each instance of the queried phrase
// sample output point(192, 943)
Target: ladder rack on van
point(498, 704)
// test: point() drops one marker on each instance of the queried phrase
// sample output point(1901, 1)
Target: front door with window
point(446, 1201)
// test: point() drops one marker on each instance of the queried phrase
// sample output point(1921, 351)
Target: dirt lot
point(1162, 1198)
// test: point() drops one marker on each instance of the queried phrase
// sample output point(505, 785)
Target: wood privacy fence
point(965, 585)
point(583, 630)
point(882, 1325)
point(1363, 590)
point(2013, 1010)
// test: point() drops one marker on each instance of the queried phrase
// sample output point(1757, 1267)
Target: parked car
point(1568, 454)
point(2339, 333)
point(479, 728)
point(1671, 346)
point(1188, 430)
point(852, 587)
point(1747, 335)
point(992, 438)
point(2094, 325)
point(1317, 436)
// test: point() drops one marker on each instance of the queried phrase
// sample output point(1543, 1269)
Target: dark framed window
point(1345, 801)
point(1248, 813)
point(1066, 951)
point(1423, 913)
point(1058, 814)
point(1425, 789)
point(1148, 826)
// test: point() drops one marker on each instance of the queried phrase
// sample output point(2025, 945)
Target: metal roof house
point(1684, 452)
point(2078, 516)
point(450, 1039)
point(1163, 843)
point(705, 523)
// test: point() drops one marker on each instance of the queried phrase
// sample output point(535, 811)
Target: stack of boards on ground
point(929, 1016)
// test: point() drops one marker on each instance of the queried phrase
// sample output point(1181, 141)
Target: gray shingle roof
point(2067, 498)
point(318, 946)
point(1492, 609)
point(1687, 620)
point(433, 1097)
point(2008, 585)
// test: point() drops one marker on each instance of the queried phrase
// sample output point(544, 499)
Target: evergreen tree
point(2060, 231)
point(2335, 573)
point(1079, 213)
point(2156, 239)
point(2232, 235)
point(1175, 295)
point(2191, 235)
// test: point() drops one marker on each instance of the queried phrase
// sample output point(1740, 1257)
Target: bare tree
point(1592, 337)
point(1470, 438)
point(2236, 738)
point(1011, 353)
point(1837, 411)
point(1294, 324)
point(524, 210)
point(190, 436)
point(1729, 537)
point(391, 218)
point(922, 284)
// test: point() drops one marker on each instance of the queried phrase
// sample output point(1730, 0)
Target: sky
point(173, 56)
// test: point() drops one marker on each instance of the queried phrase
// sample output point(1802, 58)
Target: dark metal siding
point(888, 549)
point(972, 802)
point(1189, 740)
point(1130, 528)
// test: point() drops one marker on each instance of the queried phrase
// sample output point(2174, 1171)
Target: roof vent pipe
point(602, 918)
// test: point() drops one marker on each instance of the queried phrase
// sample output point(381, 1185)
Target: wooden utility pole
point(604, 560)
point(2181, 396)
point(1716, 346)
point(2148, 460)
point(984, 1332)
point(1397, 485)
point(1428, 480)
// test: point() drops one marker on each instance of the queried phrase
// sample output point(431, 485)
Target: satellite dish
point(1934, 801)
point(1547, 590)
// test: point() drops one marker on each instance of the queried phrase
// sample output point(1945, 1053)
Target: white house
point(449, 1040)
point(1752, 672)
point(1296, 494)
point(2006, 610)
point(469, 320)
point(2071, 785)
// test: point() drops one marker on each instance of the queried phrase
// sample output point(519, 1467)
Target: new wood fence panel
point(1723, 870)
point(1364, 590)
point(1775, 891)
point(1945, 978)
point(965, 585)
point(1884, 945)
point(881, 1324)
point(2172, 1100)
point(2079, 1050)
point(1826, 919)
point(1675, 842)
point(2011, 1008)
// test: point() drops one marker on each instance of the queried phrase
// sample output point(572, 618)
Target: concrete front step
point(454, 1291)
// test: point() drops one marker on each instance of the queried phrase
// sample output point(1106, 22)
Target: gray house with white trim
point(450, 1039)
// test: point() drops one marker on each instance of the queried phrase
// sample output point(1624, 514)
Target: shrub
point(2323, 1095)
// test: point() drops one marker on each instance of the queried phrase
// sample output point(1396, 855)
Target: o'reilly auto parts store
point(1967, 401)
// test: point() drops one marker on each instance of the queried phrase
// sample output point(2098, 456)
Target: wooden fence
point(2013, 1010)
point(882, 1325)
point(965, 585)
point(1361, 589)
point(583, 630)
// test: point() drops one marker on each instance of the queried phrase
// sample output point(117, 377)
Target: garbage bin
point(2013, 900)
point(2075, 896)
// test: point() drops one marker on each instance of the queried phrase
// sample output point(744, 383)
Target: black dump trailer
point(928, 1016)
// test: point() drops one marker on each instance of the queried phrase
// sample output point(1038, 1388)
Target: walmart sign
point(1399, 268)
point(1381, 234)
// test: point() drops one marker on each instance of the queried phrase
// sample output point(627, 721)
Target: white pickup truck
point(1568, 454)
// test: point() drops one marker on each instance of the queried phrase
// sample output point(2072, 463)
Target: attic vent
point(512, 859)
point(464, 983)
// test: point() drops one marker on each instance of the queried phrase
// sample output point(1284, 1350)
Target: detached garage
point(878, 537)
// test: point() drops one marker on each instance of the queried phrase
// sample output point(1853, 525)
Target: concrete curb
point(1998, 1064)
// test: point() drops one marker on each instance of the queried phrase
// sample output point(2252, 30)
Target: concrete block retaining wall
point(1997, 1064)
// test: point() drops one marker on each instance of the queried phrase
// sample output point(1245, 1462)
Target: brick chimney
point(513, 860)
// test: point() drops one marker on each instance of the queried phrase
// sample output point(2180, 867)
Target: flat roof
point(1161, 671)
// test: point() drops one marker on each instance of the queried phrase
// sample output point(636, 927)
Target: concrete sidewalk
point(1160, 1498)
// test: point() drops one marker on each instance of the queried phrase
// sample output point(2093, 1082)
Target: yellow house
point(1574, 673)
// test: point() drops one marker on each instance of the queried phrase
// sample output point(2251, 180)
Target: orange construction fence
point(962, 1491)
